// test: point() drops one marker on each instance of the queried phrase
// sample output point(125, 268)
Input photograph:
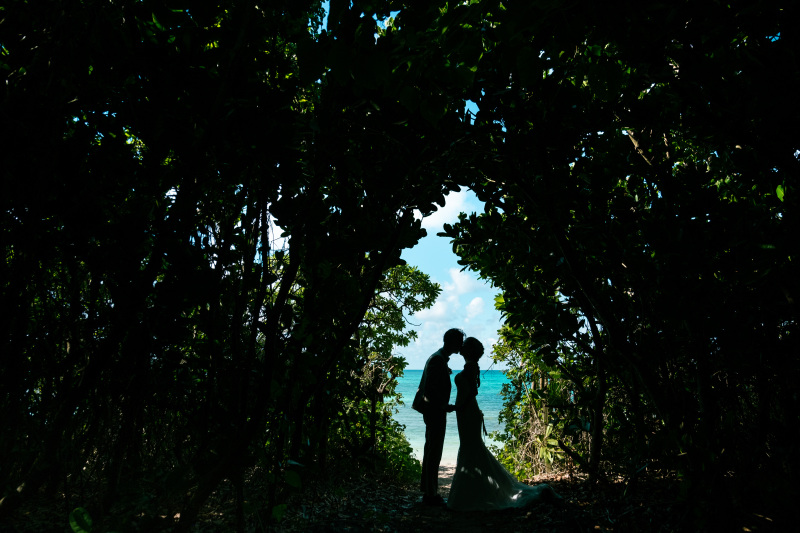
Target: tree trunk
point(596, 448)
point(372, 423)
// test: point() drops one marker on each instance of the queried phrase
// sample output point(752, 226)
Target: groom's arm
point(437, 385)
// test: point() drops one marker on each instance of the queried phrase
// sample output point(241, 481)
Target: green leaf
point(157, 23)
point(527, 66)
point(275, 389)
point(409, 98)
point(779, 191)
point(595, 50)
point(293, 479)
point(80, 521)
point(278, 511)
point(433, 109)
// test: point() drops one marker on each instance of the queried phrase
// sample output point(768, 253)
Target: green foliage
point(80, 521)
point(388, 456)
point(365, 396)
point(399, 459)
point(278, 511)
point(640, 222)
point(539, 407)
point(162, 335)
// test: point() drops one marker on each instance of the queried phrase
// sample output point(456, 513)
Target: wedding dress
point(480, 482)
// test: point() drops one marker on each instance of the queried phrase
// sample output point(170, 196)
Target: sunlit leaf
point(80, 521)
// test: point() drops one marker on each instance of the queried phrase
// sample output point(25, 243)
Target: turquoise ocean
point(489, 400)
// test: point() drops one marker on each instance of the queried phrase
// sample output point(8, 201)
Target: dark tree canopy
point(639, 166)
point(158, 332)
point(640, 180)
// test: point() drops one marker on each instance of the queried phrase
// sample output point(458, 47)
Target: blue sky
point(465, 302)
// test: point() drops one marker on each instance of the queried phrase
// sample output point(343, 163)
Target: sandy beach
point(446, 478)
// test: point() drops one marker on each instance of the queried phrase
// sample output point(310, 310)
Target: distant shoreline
point(482, 370)
point(489, 399)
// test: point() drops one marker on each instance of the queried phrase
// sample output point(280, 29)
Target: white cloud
point(453, 205)
point(475, 307)
point(429, 339)
point(436, 313)
point(463, 282)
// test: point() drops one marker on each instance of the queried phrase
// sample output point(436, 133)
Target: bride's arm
point(461, 398)
point(466, 386)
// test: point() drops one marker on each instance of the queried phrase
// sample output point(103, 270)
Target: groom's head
point(453, 339)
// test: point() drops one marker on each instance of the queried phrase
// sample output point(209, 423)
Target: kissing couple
point(480, 482)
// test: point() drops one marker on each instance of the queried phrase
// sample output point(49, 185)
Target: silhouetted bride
point(481, 483)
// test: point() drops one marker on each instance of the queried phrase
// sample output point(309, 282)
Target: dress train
point(480, 482)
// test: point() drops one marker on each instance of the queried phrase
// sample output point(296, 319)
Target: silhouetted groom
point(432, 400)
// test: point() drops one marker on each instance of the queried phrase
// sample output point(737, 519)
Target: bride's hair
point(473, 371)
point(472, 351)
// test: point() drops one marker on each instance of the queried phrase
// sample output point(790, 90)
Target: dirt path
point(446, 473)
point(392, 508)
point(649, 506)
point(361, 503)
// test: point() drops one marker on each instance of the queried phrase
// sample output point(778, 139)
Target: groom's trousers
point(435, 425)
